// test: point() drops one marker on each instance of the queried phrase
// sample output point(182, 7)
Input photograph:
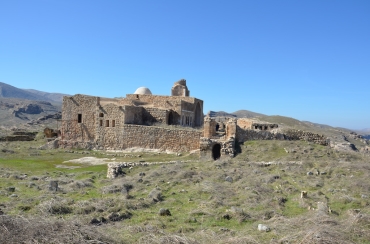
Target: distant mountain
point(56, 97)
point(237, 114)
point(8, 91)
point(247, 114)
point(365, 133)
point(220, 114)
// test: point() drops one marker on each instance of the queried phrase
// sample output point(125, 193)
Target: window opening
point(101, 122)
point(113, 123)
point(101, 115)
point(79, 118)
point(107, 123)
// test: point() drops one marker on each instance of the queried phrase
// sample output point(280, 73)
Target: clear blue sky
point(307, 59)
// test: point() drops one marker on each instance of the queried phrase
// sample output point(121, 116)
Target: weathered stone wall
point(111, 118)
point(151, 137)
point(133, 115)
point(155, 115)
point(209, 127)
point(75, 108)
point(231, 129)
point(180, 89)
point(247, 135)
point(176, 103)
point(306, 136)
point(227, 147)
point(245, 123)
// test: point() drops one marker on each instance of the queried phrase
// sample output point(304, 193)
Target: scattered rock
point(155, 195)
point(53, 185)
point(224, 229)
point(226, 216)
point(322, 208)
point(229, 179)
point(54, 144)
point(236, 210)
point(262, 227)
point(164, 212)
point(98, 221)
point(114, 217)
point(11, 189)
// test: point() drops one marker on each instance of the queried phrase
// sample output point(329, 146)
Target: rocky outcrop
point(45, 118)
point(50, 145)
point(28, 109)
point(343, 146)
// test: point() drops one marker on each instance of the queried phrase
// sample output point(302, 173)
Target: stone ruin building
point(168, 123)
point(138, 120)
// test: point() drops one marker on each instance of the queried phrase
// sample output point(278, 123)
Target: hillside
point(27, 108)
point(56, 97)
point(8, 91)
point(272, 192)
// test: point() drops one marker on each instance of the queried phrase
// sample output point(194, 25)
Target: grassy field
point(220, 201)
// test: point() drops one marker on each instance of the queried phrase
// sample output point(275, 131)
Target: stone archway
point(198, 115)
point(216, 151)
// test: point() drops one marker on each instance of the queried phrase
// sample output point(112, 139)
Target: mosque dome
point(143, 91)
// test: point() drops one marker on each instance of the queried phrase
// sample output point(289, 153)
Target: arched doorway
point(216, 151)
point(170, 118)
point(198, 115)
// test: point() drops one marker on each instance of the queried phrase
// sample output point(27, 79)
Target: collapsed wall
point(249, 135)
point(306, 136)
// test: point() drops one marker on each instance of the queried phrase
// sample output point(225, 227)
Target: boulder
point(229, 179)
point(155, 195)
point(164, 212)
point(262, 227)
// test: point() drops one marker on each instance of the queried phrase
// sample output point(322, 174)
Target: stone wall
point(227, 147)
point(155, 115)
point(79, 118)
point(245, 123)
point(248, 135)
point(138, 136)
point(306, 136)
point(150, 137)
point(176, 103)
